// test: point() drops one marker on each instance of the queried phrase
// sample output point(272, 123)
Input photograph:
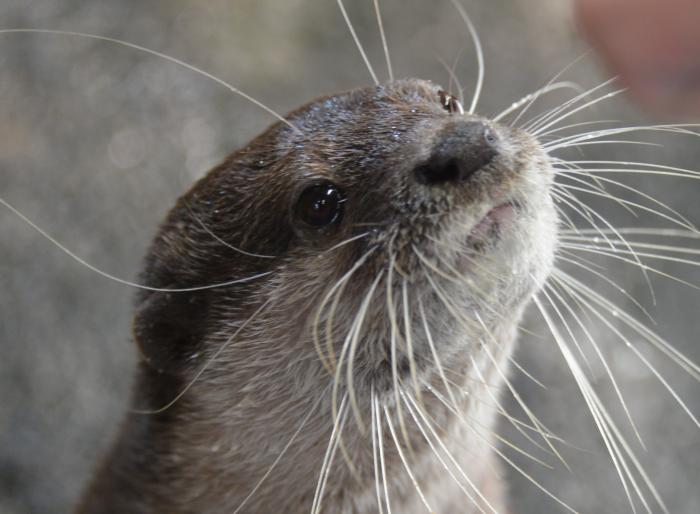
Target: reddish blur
point(653, 45)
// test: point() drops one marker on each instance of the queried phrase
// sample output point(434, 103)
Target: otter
point(327, 312)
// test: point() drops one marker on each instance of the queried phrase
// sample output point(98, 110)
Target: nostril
point(461, 150)
point(436, 172)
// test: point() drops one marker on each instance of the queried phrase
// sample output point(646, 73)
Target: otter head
point(379, 238)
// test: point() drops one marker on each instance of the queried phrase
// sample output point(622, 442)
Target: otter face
point(387, 229)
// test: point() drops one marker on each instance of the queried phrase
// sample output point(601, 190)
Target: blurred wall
point(96, 142)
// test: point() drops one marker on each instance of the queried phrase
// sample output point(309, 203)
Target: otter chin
point(327, 306)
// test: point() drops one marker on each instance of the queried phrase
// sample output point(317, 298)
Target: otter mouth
point(491, 225)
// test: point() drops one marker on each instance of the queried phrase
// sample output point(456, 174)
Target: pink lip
point(498, 216)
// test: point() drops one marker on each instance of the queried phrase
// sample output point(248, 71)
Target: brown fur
point(263, 378)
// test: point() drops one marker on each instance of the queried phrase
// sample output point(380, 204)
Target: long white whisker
point(600, 355)
point(331, 450)
point(650, 336)
point(385, 46)
point(588, 396)
point(637, 260)
point(380, 437)
point(409, 339)
point(353, 349)
point(551, 82)
point(479, 54)
point(156, 54)
point(577, 262)
point(431, 344)
point(387, 416)
point(684, 222)
point(645, 267)
point(206, 364)
point(223, 242)
point(632, 347)
point(418, 423)
point(122, 281)
point(469, 420)
point(282, 453)
point(534, 123)
point(375, 454)
point(532, 97)
point(535, 421)
point(359, 46)
point(521, 471)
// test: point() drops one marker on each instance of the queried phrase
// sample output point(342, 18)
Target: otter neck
point(199, 457)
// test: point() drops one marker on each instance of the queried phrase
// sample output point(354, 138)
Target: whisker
point(552, 81)
point(206, 365)
point(479, 54)
point(639, 328)
point(409, 339)
point(588, 395)
point(418, 424)
point(391, 311)
point(375, 458)
point(343, 243)
point(684, 222)
point(577, 262)
point(122, 281)
point(575, 125)
point(468, 421)
point(357, 326)
point(632, 347)
point(637, 260)
point(282, 453)
point(335, 291)
point(359, 46)
point(587, 136)
point(532, 97)
point(558, 119)
point(385, 46)
point(635, 244)
point(223, 242)
point(380, 437)
point(338, 424)
point(531, 416)
point(387, 416)
point(156, 54)
point(644, 231)
point(433, 351)
point(453, 76)
point(533, 124)
point(600, 355)
point(644, 267)
point(524, 474)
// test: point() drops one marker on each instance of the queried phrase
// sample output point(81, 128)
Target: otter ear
point(169, 327)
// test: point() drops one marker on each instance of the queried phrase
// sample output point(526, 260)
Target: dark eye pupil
point(321, 205)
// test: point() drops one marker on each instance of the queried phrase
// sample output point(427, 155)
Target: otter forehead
point(365, 128)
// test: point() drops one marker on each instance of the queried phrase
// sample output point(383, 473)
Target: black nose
point(461, 150)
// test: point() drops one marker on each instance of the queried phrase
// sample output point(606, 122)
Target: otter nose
point(461, 150)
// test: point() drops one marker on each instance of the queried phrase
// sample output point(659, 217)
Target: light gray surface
point(96, 142)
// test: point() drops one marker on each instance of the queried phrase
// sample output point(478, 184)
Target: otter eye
point(450, 103)
point(321, 205)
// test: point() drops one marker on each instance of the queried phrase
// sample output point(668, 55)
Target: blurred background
point(97, 141)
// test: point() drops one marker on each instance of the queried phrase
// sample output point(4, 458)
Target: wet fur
point(207, 451)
